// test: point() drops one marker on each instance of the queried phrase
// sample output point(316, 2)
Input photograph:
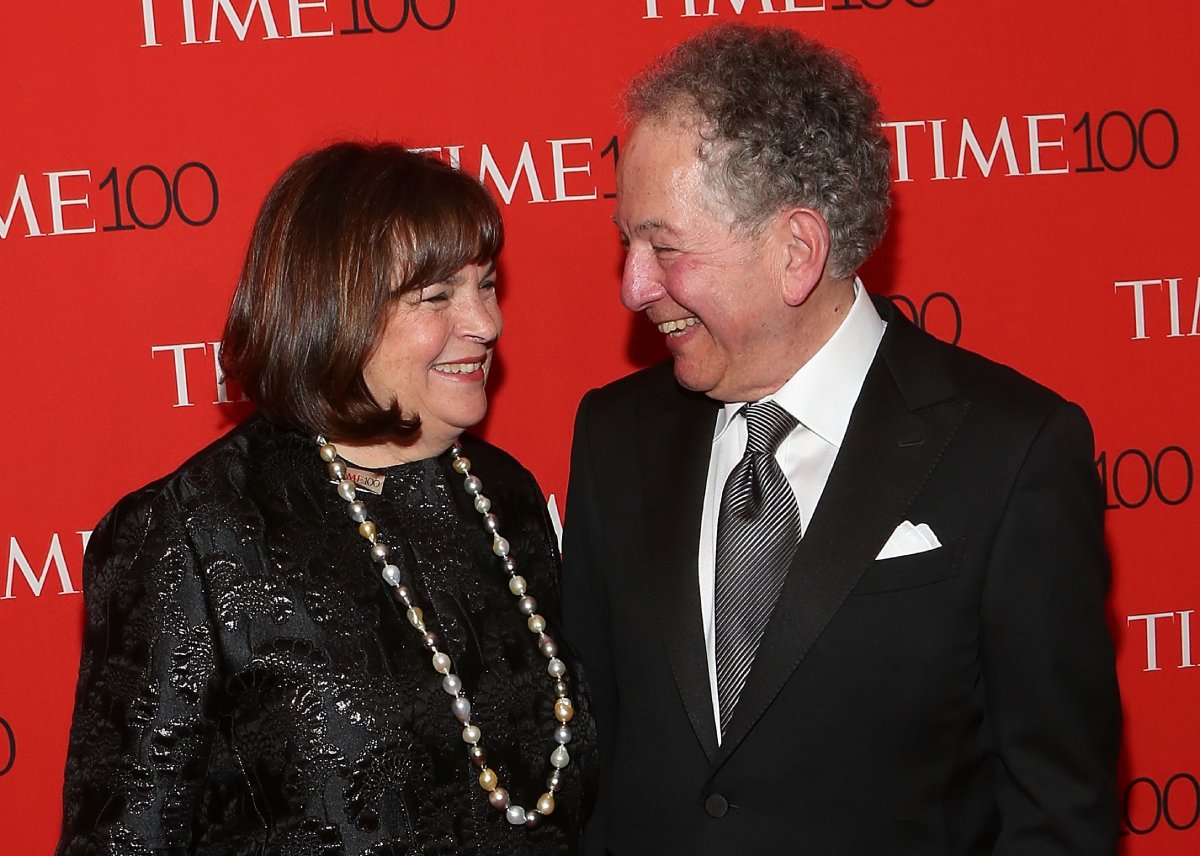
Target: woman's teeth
point(459, 368)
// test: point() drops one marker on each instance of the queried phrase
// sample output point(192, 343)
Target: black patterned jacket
point(248, 685)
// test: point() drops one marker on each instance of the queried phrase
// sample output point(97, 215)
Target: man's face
point(712, 290)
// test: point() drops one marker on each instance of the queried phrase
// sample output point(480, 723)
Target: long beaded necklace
point(460, 707)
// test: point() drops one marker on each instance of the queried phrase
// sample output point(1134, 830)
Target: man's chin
point(691, 378)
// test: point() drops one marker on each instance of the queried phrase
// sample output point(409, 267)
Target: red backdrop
point(1045, 181)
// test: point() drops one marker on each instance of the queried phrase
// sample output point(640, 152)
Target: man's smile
point(678, 326)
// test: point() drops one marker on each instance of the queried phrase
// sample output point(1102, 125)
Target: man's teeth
point(459, 368)
point(678, 326)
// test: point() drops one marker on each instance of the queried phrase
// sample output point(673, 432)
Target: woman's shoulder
point(498, 463)
point(225, 467)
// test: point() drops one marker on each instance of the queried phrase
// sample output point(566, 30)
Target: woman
point(319, 635)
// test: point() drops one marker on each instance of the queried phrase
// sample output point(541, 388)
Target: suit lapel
point(905, 416)
point(674, 450)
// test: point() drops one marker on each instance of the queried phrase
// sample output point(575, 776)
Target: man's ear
point(807, 242)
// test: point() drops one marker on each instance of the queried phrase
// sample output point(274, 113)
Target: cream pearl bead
point(545, 803)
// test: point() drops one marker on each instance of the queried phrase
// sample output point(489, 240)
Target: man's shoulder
point(658, 379)
point(919, 358)
point(998, 384)
point(623, 399)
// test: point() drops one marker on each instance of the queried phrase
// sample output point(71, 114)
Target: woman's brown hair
point(344, 231)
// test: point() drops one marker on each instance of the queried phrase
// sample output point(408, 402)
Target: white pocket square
point(909, 539)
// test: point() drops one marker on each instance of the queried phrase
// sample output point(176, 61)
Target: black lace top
point(249, 685)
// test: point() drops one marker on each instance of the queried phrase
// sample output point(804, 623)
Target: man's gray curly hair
point(784, 121)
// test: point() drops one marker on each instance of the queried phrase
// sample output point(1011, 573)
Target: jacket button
point(716, 805)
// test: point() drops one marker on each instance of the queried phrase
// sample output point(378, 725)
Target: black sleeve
point(1052, 700)
point(586, 620)
point(143, 726)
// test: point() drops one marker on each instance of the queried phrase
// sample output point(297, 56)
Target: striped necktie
point(758, 528)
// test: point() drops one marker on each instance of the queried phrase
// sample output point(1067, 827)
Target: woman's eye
point(489, 284)
point(435, 297)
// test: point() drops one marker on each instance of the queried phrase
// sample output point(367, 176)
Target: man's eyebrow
point(650, 225)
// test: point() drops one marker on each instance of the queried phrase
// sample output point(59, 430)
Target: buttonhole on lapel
point(913, 441)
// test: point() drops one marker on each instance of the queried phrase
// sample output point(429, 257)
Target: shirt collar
point(822, 392)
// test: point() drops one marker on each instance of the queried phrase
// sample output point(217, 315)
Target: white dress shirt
point(821, 395)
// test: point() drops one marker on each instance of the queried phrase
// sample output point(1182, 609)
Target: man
point(864, 615)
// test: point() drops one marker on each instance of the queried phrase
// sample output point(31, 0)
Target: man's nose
point(640, 285)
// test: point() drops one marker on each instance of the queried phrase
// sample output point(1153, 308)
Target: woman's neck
point(376, 454)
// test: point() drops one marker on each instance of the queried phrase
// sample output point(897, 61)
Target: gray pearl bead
point(472, 485)
point(548, 647)
point(515, 815)
point(556, 668)
point(461, 708)
point(560, 757)
point(527, 605)
point(490, 522)
point(429, 640)
point(562, 734)
point(561, 689)
point(533, 819)
point(391, 575)
point(404, 593)
point(346, 489)
point(379, 552)
point(510, 564)
point(357, 511)
point(554, 781)
point(453, 685)
point(337, 470)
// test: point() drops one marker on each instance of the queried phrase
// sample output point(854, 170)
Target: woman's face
point(434, 356)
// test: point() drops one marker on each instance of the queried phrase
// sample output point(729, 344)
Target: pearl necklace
point(461, 706)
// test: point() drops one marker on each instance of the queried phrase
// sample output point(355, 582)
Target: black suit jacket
point(958, 701)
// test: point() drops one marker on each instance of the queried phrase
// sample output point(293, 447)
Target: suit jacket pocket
point(912, 571)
